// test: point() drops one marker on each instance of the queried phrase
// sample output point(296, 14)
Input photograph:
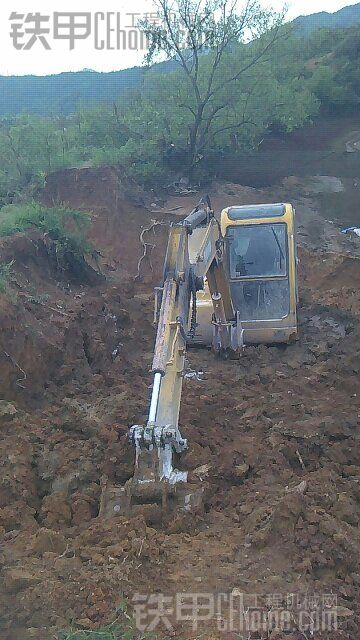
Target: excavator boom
point(155, 477)
point(161, 437)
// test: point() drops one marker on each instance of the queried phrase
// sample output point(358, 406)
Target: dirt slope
point(278, 429)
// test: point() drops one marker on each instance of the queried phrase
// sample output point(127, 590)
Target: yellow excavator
point(227, 282)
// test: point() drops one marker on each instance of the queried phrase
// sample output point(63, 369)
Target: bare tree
point(201, 35)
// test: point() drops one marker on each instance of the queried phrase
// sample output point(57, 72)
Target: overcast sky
point(40, 61)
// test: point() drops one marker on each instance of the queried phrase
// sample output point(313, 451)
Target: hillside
point(276, 430)
point(64, 93)
point(342, 19)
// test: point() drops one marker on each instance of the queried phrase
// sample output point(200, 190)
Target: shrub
point(65, 226)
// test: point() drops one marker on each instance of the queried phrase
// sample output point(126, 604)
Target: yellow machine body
point(261, 264)
point(247, 261)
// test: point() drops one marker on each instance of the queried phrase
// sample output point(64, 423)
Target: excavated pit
point(277, 431)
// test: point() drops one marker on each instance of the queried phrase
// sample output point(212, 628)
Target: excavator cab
point(260, 261)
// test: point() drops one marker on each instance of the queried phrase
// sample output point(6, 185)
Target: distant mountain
point(346, 17)
point(65, 92)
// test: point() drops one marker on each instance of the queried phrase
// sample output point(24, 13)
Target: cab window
point(257, 251)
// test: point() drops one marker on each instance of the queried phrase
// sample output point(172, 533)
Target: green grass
point(122, 628)
point(106, 633)
point(63, 225)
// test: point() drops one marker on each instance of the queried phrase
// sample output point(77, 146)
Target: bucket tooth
point(154, 501)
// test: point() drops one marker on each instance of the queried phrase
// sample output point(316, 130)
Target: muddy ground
point(277, 430)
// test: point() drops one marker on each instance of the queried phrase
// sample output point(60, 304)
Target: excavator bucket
point(154, 501)
point(148, 493)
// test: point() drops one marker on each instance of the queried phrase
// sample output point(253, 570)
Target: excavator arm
point(158, 441)
point(195, 250)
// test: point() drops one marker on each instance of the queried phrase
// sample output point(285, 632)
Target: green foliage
point(342, 19)
point(266, 94)
point(110, 632)
point(29, 147)
point(101, 127)
point(65, 226)
point(122, 628)
point(219, 69)
point(65, 93)
point(335, 77)
point(149, 134)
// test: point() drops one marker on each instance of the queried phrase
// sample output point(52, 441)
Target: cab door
point(258, 266)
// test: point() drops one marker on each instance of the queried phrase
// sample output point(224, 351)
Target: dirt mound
point(119, 214)
point(276, 429)
point(60, 323)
